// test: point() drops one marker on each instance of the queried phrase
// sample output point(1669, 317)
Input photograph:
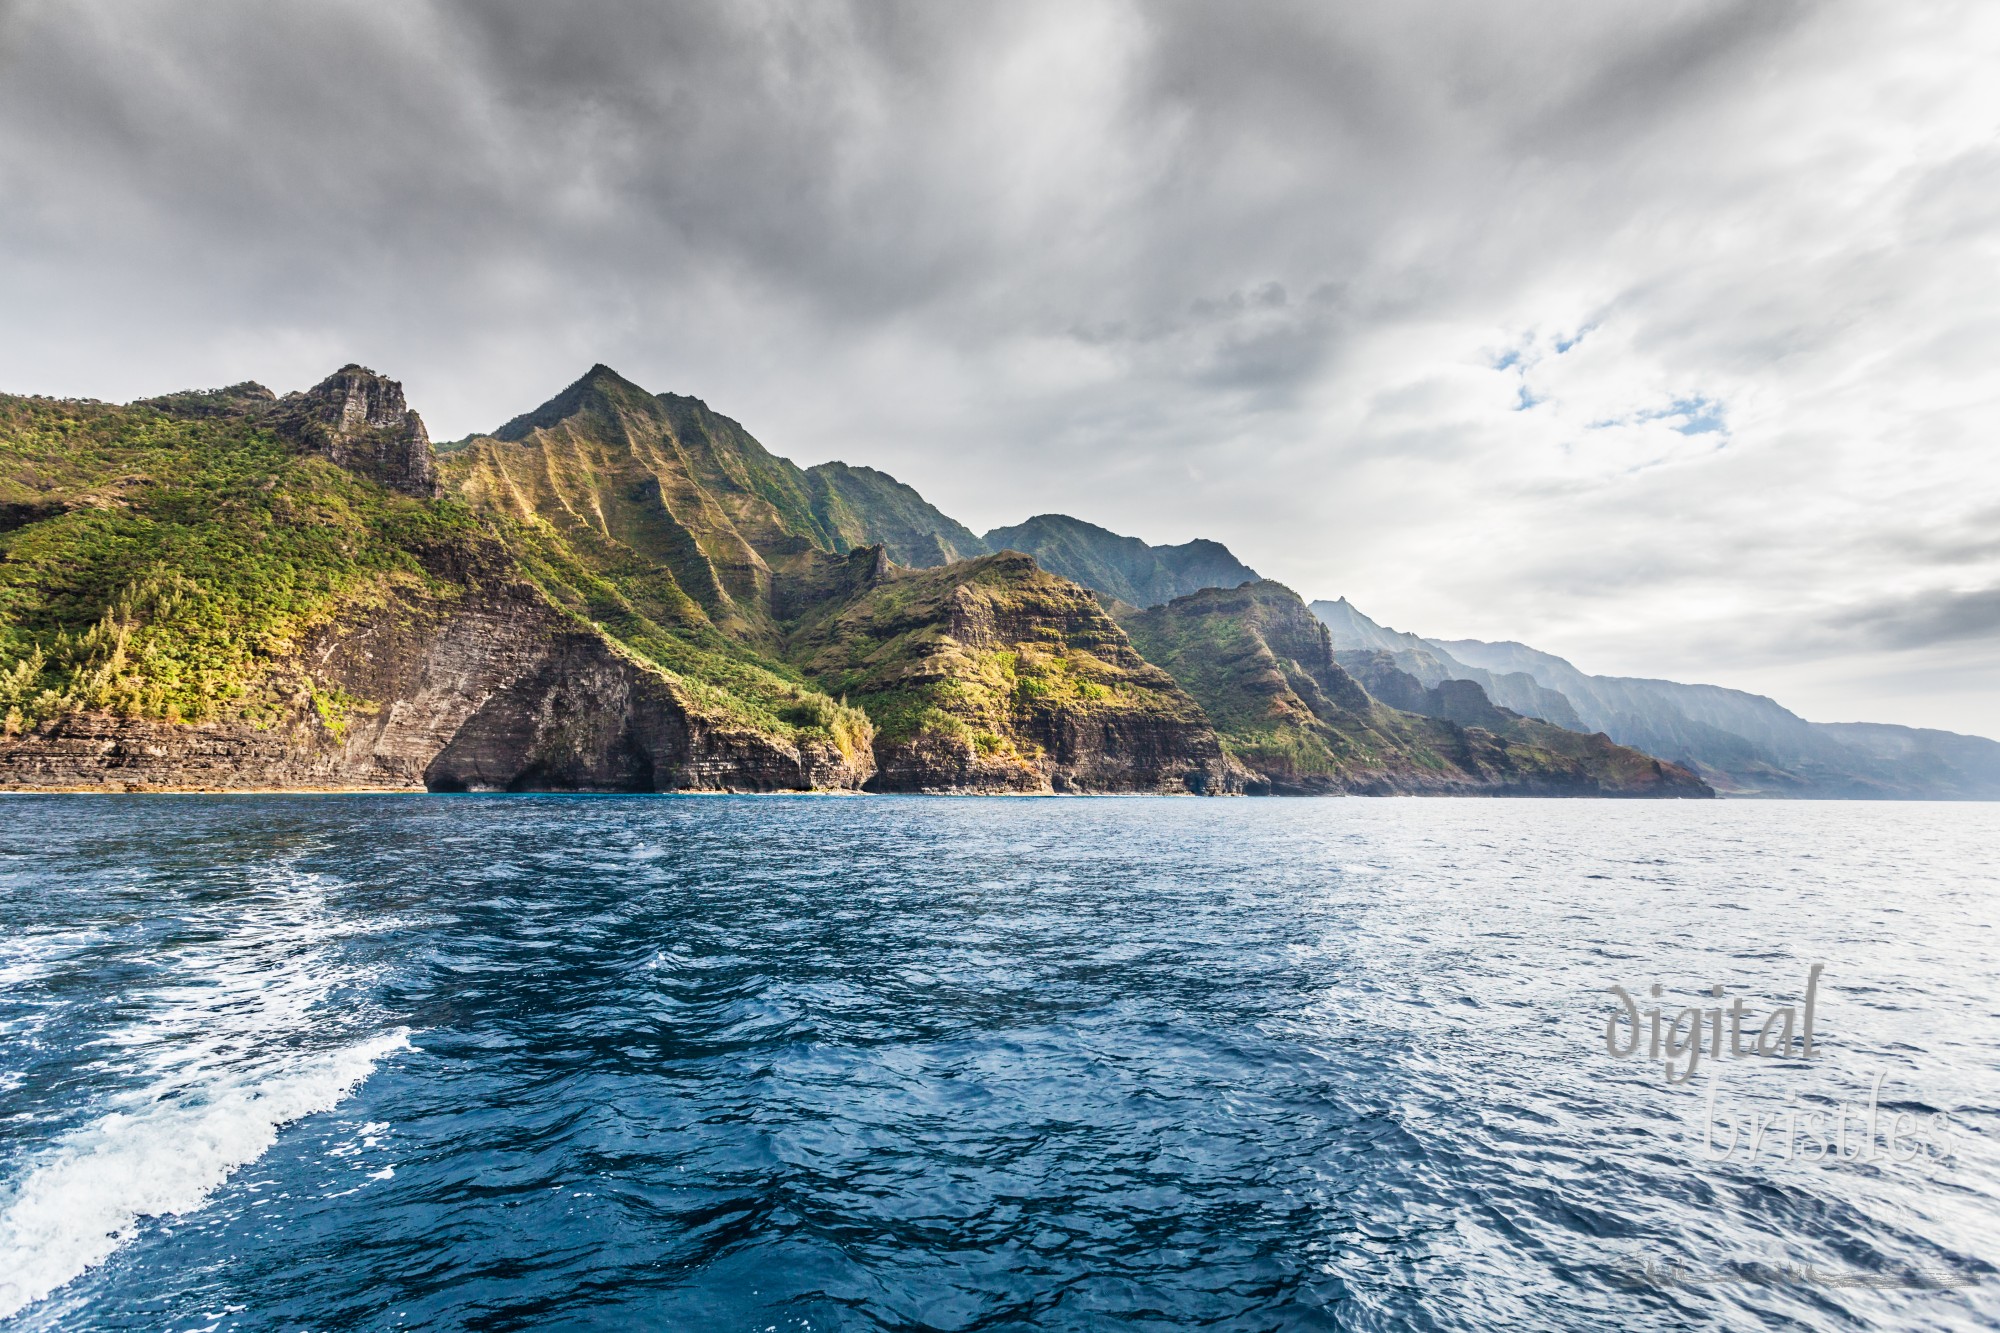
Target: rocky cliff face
point(492, 690)
point(489, 691)
point(1263, 671)
point(359, 420)
point(229, 605)
point(987, 675)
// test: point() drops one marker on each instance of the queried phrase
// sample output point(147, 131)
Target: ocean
point(805, 1063)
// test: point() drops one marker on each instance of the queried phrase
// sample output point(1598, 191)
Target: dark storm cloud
point(1687, 53)
point(828, 154)
point(1305, 278)
point(1928, 618)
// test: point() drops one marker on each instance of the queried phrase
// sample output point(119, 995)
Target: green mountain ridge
point(864, 507)
point(197, 595)
point(625, 590)
point(1124, 568)
point(995, 674)
point(1356, 638)
point(861, 506)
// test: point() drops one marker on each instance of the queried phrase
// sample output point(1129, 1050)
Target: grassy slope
point(864, 507)
point(668, 481)
point(962, 654)
point(692, 489)
point(1278, 709)
point(638, 604)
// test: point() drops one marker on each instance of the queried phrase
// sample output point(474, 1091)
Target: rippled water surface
point(766, 1063)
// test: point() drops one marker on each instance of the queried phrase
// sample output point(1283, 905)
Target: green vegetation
point(642, 608)
point(979, 655)
point(190, 559)
point(173, 567)
point(653, 480)
point(862, 507)
point(154, 566)
point(1262, 669)
point(1123, 568)
point(618, 500)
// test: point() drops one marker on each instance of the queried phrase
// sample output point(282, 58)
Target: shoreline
point(1732, 798)
point(842, 793)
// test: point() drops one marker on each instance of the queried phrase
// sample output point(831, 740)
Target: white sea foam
point(30, 956)
point(236, 1038)
point(85, 1198)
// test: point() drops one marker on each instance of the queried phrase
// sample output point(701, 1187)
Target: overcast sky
point(1664, 336)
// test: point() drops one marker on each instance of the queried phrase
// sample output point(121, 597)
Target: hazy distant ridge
point(1745, 744)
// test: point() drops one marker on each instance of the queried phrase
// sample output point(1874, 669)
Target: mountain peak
point(604, 377)
point(1062, 522)
point(600, 387)
point(864, 506)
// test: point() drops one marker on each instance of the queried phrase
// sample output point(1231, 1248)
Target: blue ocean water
point(830, 1063)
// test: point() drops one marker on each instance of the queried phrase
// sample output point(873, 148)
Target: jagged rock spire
point(359, 420)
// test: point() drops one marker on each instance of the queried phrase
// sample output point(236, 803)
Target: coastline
point(849, 793)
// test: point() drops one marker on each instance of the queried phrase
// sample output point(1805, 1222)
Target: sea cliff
point(625, 591)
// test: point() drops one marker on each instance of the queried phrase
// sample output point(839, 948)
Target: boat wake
point(235, 1039)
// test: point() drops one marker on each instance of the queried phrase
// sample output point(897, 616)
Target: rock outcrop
point(359, 420)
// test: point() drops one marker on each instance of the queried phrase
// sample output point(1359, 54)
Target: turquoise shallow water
point(773, 1063)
